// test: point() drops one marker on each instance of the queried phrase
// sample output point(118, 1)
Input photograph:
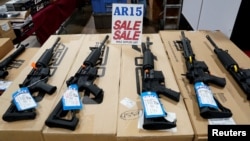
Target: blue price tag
point(204, 96)
point(71, 99)
point(23, 99)
point(152, 105)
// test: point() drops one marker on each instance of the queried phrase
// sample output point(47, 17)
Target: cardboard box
point(18, 5)
point(6, 46)
point(63, 58)
point(22, 15)
point(97, 122)
point(20, 62)
point(6, 30)
point(202, 53)
point(129, 114)
point(16, 65)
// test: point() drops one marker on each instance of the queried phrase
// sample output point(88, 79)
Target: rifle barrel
point(211, 41)
point(103, 42)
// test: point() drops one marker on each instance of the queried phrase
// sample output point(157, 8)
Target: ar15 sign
point(127, 21)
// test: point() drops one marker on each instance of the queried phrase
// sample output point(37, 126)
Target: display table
point(49, 19)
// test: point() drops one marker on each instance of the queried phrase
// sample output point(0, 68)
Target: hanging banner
point(127, 23)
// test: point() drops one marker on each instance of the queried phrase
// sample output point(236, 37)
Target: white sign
point(127, 22)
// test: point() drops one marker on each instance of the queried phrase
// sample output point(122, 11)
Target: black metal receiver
point(153, 80)
point(36, 82)
point(240, 75)
point(197, 71)
point(5, 63)
point(84, 78)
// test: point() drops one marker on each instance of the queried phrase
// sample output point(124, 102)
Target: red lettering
point(137, 25)
point(123, 35)
point(136, 35)
point(127, 30)
point(123, 26)
point(116, 35)
point(117, 24)
point(126, 35)
point(128, 26)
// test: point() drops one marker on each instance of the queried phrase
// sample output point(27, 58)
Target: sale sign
point(127, 23)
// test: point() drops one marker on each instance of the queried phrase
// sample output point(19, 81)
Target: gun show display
point(82, 81)
point(35, 82)
point(199, 75)
point(172, 86)
point(240, 75)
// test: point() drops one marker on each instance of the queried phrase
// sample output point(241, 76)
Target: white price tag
point(127, 102)
point(4, 84)
point(221, 121)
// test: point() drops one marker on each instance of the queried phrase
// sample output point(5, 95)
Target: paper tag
point(23, 99)
point(4, 84)
point(171, 117)
point(151, 105)
point(127, 102)
point(71, 99)
point(204, 96)
point(221, 121)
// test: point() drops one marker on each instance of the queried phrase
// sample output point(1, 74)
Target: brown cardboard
point(6, 30)
point(6, 46)
point(128, 117)
point(202, 53)
point(63, 58)
point(96, 122)
point(19, 62)
point(16, 66)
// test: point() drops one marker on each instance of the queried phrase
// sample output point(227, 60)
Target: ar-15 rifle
point(84, 79)
point(35, 82)
point(153, 81)
point(240, 75)
point(199, 75)
point(5, 63)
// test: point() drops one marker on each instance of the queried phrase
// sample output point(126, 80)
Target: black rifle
point(84, 79)
point(240, 75)
point(5, 63)
point(36, 82)
point(197, 71)
point(153, 80)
